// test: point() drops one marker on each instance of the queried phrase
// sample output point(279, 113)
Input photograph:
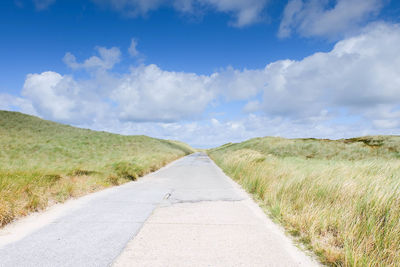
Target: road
point(186, 214)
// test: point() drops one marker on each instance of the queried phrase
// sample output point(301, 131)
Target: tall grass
point(43, 162)
point(339, 198)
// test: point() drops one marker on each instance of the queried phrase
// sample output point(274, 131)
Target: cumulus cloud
point(106, 60)
point(360, 74)
point(318, 18)
point(51, 94)
point(145, 94)
point(245, 12)
point(11, 102)
point(61, 98)
point(238, 84)
point(148, 93)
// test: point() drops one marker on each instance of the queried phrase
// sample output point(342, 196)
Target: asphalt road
point(186, 214)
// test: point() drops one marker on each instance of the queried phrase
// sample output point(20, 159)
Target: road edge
point(293, 247)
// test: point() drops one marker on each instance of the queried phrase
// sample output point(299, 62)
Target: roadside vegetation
point(43, 162)
point(340, 198)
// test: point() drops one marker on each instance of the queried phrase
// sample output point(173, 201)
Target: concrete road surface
point(186, 214)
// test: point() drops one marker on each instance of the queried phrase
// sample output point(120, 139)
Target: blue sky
point(205, 71)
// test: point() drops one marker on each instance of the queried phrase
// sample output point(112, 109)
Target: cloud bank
point(352, 90)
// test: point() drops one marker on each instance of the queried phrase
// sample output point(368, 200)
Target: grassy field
point(339, 198)
point(43, 162)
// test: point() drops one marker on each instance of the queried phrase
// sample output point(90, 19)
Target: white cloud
point(151, 94)
point(147, 93)
point(61, 98)
point(252, 106)
point(11, 102)
point(317, 18)
point(360, 75)
point(245, 12)
point(106, 60)
point(48, 97)
point(236, 84)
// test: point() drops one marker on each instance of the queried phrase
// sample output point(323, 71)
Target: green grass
point(43, 162)
point(339, 198)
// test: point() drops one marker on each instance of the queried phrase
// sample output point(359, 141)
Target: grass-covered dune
point(340, 198)
point(43, 162)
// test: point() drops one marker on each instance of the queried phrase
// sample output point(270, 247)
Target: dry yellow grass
point(43, 162)
point(340, 198)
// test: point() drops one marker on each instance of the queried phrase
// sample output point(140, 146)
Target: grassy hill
point(341, 198)
point(43, 162)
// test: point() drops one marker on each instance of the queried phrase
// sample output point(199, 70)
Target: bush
point(129, 170)
point(112, 179)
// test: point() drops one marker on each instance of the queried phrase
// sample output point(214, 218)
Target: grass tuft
point(128, 170)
